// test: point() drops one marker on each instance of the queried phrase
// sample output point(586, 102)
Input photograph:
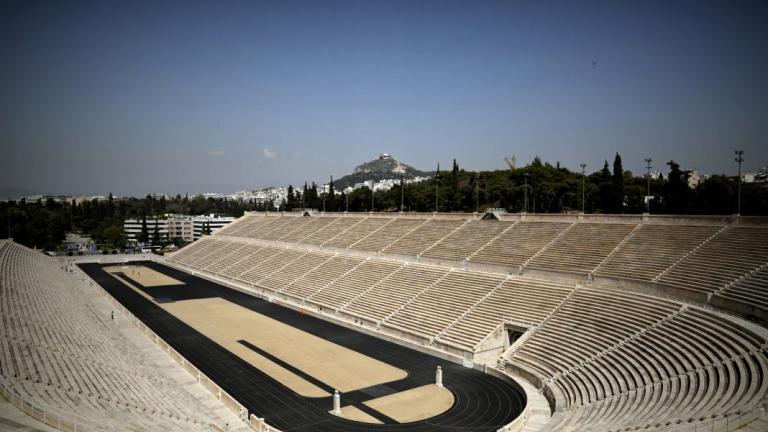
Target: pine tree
point(331, 198)
point(110, 205)
point(452, 195)
point(144, 235)
point(617, 184)
point(291, 203)
point(606, 190)
point(156, 233)
point(678, 192)
point(312, 202)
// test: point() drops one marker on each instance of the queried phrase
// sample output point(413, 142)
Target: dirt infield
point(227, 323)
point(416, 404)
point(351, 412)
point(144, 275)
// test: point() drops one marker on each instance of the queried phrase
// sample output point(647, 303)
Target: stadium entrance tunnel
point(513, 333)
point(286, 367)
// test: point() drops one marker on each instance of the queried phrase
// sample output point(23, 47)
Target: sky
point(133, 97)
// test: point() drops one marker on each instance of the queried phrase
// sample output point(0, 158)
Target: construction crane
point(511, 162)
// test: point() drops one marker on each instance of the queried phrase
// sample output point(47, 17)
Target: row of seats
point(435, 309)
point(703, 258)
point(752, 289)
point(582, 247)
point(613, 360)
point(620, 361)
point(654, 248)
point(424, 236)
point(731, 254)
point(58, 352)
point(462, 243)
point(522, 301)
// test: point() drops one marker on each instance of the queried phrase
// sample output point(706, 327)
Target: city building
point(132, 228)
point(695, 179)
point(181, 227)
point(759, 177)
point(173, 226)
point(212, 221)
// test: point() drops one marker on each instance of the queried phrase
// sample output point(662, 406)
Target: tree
point(113, 234)
point(617, 183)
point(713, 195)
point(452, 194)
point(290, 200)
point(312, 197)
point(678, 193)
point(606, 189)
point(330, 205)
point(144, 234)
point(156, 233)
point(110, 204)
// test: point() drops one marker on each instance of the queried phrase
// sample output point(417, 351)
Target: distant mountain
point(382, 168)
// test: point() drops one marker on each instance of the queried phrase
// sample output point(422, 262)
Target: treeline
point(44, 224)
point(539, 187)
point(546, 188)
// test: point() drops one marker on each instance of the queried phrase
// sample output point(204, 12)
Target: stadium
point(312, 321)
point(383, 216)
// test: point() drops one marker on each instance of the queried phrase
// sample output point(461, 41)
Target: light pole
point(739, 159)
point(648, 190)
point(583, 176)
point(437, 186)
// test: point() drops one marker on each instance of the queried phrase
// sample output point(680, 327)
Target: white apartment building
point(132, 228)
point(171, 226)
point(214, 222)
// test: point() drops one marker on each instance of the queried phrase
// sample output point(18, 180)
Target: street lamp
point(648, 192)
point(437, 186)
point(583, 176)
point(739, 159)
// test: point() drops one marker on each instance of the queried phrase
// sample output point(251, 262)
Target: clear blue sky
point(133, 97)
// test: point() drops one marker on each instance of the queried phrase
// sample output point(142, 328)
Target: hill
point(383, 167)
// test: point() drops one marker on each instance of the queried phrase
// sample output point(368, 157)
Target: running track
point(482, 403)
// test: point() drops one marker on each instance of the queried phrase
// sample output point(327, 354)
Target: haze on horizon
point(195, 96)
